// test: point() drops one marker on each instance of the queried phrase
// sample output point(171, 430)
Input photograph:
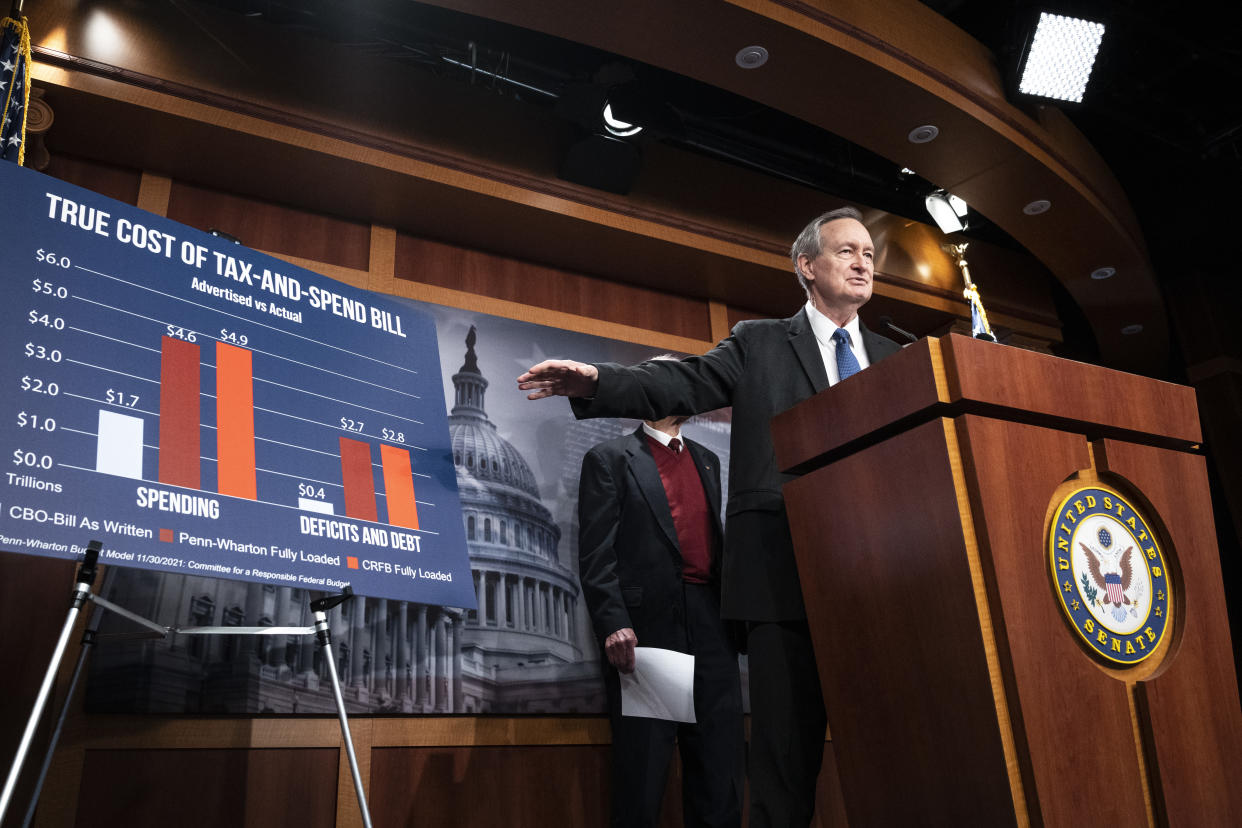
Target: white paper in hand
point(661, 686)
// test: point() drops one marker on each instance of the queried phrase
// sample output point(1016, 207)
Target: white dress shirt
point(660, 437)
point(823, 328)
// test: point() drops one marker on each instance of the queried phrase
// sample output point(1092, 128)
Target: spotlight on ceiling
point(1057, 61)
point(751, 57)
point(948, 211)
point(616, 127)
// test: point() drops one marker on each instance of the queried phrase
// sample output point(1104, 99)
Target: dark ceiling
point(575, 79)
point(1162, 108)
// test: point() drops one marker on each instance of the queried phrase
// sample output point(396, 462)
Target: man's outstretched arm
point(559, 378)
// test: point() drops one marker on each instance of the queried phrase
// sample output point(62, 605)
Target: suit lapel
point(802, 338)
point(711, 481)
point(643, 466)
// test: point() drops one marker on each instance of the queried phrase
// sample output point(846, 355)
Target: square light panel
point(1061, 56)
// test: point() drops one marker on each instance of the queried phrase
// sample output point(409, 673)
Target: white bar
point(315, 506)
point(119, 450)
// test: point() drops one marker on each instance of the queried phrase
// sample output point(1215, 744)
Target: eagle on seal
point(1114, 584)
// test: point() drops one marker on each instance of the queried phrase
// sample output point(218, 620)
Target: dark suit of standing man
point(762, 368)
point(648, 555)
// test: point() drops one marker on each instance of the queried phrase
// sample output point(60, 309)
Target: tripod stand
point(82, 593)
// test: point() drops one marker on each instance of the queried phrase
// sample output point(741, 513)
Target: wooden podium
point(959, 690)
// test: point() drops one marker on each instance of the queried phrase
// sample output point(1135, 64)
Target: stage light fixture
point(1059, 57)
point(947, 210)
point(621, 129)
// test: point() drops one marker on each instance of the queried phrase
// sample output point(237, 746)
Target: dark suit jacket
point(629, 560)
point(762, 368)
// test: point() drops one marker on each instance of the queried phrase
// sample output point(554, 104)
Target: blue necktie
point(847, 365)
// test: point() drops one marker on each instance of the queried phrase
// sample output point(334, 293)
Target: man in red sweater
point(648, 558)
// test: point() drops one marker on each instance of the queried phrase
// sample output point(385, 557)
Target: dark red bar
point(180, 427)
point(359, 480)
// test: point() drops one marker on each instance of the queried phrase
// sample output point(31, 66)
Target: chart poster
point(205, 409)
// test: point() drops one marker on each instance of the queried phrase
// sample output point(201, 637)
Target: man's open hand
point(559, 378)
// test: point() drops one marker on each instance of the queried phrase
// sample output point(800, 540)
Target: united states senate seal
point(1110, 575)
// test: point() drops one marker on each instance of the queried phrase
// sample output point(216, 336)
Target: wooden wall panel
point(208, 788)
point(472, 271)
point(271, 227)
point(490, 787)
point(34, 604)
point(736, 314)
point(529, 787)
point(120, 183)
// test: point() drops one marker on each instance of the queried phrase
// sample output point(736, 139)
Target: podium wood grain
point(1189, 709)
point(892, 608)
point(1072, 722)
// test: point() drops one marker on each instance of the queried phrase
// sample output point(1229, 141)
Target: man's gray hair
point(808, 242)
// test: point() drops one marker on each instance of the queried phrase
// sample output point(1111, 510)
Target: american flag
point(976, 317)
point(979, 327)
point(14, 87)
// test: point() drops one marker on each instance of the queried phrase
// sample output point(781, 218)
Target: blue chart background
point(117, 302)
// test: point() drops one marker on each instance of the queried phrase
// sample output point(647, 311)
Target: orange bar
point(235, 422)
point(399, 486)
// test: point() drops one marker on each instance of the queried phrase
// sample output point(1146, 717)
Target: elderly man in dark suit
point(762, 368)
point(648, 558)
